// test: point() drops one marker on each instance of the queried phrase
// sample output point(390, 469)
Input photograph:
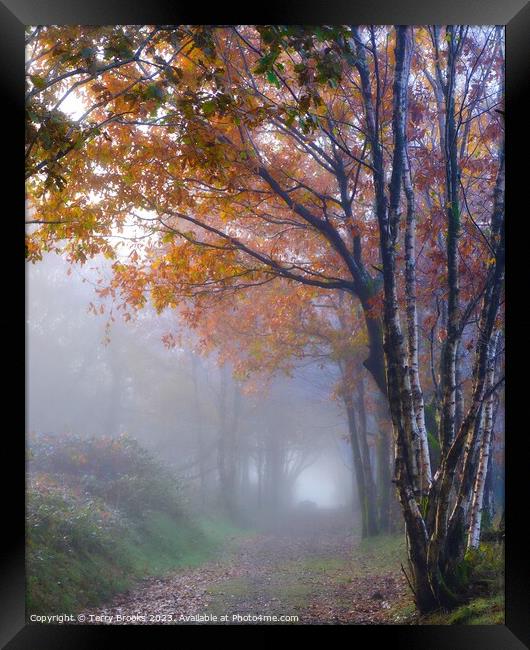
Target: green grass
point(220, 531)
point(381, 554)
point(484, 570)
point(374, 556)
point(335, 570)
point(241, 591)
point(313, 578)
point(62, 581)
point(164, 544)
point(487, 610)
point(102, 513)
point(234, 588)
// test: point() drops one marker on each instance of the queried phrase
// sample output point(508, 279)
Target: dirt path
point(313, 574)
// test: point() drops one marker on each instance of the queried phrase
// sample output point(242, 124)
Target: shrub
point(72, 518)
point(101, 513)
point(117, 470)
point(485, 566)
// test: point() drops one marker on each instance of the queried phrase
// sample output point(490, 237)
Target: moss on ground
point(479, 611)
point(484, 571)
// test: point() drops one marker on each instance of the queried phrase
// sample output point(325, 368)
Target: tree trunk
point(423, 460)
point(366, 496)
point(371, 491)
point(384, 480)
point(201, 447)
point(429, 545)
point(226, 444)
point(475, 518)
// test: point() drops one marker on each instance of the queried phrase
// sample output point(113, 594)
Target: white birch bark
point(485, 450)
point(424, 460)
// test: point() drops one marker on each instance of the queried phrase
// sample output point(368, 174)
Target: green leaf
point(128, 178)
point(154, 92)
point(209, 107)
point(273, 79)
point(304, 102)
point(290, 118)
point(46, 140)
point(266, 62)
point(86, 53)
point(37, 81)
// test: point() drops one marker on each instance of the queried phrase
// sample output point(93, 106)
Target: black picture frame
point(515, 14)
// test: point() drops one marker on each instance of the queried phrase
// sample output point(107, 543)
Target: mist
point(90, 376)
point(265, 323)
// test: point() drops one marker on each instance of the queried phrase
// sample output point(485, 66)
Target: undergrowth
point(101, 513)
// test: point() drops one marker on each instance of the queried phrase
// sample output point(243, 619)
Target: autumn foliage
point(299, 193)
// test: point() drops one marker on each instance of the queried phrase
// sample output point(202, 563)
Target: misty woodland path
point(312, 572)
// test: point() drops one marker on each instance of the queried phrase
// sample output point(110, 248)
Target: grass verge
point(102, 514)
point(64, 580)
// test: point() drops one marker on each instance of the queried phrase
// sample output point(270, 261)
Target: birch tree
point(246, 155)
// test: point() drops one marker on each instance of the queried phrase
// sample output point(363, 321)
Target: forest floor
point(314, 572)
